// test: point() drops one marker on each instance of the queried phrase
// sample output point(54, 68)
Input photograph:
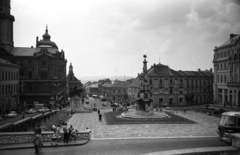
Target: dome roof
point(46, 42)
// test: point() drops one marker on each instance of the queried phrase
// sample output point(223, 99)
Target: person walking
point(58, 133)
point(40, 143)
point(100, 117)
point(65, 133)
point(36, 142)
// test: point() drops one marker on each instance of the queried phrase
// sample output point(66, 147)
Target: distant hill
point(85, 79)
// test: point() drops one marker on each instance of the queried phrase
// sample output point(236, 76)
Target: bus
point(229, 124)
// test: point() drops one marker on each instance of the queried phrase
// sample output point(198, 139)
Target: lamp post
point(55, 85)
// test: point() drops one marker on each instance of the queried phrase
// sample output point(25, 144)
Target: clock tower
point(6, 26)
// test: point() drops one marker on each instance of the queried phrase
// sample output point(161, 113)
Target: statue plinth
point(76, 104)
point(144, 107)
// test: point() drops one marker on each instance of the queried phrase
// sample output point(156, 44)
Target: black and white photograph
point(120, 77)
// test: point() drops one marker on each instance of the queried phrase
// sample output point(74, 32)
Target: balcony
point(233, 84)
point(160, 86)
point(181, 85)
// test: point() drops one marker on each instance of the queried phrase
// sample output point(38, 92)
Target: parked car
point(12, 114)
point(104, 104)
point(31, 111)
point(44, 109)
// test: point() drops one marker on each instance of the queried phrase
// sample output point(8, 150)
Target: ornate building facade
point(9, 80)
point(227, 72)
point(42, 73)
point(176, 87)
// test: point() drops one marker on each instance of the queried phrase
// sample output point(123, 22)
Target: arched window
point(160, 82)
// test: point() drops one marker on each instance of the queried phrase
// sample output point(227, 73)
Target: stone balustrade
point(27, 137)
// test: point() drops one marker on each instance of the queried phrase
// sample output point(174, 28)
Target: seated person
point(74, 135)
point(54, 138)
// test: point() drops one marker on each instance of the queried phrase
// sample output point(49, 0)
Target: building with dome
point(42, 72)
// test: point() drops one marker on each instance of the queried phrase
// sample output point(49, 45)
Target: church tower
point(6, 26)
point(144, 64)
point(70, 73)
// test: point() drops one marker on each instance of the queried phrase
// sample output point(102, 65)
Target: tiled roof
point(28, 51)
point(229, 41)
point(120, 84)
point(134, 83)
point(162, 70)
point(2, 61)
point(107, 85)
point(95, 85)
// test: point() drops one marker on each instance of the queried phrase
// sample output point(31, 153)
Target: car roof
point(231, 113)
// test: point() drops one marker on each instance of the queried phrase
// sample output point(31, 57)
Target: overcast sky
point(110, 37)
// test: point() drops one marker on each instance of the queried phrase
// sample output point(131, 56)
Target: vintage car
point(104, 103)
point(31, 111)
point(12, 114)
point(44, 109)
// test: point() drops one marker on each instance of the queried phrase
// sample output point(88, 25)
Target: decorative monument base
point(134, 115)
point(77, 106)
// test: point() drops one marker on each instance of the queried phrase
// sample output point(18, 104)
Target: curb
point(172, 137)
point(194, 150)
point(47, 146)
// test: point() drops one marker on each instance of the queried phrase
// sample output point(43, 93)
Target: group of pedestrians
point(69, 133)
point(56, 134)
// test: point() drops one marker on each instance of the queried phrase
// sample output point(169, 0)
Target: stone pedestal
point(76, 104)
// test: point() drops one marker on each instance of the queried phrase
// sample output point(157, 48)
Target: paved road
point(125, 147)
point(206, 126)
point(19, 117)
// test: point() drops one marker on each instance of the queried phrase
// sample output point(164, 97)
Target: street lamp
point(55, 85)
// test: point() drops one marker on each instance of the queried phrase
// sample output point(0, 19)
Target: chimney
point(232, 36)
point(31, 46)
point(36, 41)
point(199, 69)
point(210, 69)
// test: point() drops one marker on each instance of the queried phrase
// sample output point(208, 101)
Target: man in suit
point(36, 142)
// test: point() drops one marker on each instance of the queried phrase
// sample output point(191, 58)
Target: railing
point(27, 137)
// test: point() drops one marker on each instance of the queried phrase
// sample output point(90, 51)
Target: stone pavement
point(206, 127)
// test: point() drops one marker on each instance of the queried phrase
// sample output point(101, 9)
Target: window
point(21, 73)
point(44, 74)
point(29, 74)
point(44, 63)
point(30, 87)
point(160, 82)
point(3, 90)
point(2, 75)
point(150, 82)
